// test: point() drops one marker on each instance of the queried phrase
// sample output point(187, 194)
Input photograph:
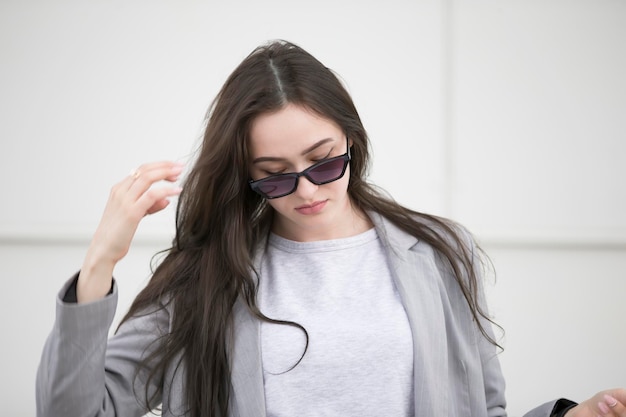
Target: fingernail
point(604, 408)
point(610, 401)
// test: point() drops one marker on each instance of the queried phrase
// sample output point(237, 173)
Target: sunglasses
point(323, 172)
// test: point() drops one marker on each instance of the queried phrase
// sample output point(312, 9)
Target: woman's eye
point(273, 172)
point(321, 158)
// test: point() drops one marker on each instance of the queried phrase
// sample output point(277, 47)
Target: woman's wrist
point(94, 279)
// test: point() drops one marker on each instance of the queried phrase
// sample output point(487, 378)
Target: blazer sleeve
point(84, 373)
point(544, 410)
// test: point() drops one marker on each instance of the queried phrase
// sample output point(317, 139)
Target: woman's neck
point(354, 222)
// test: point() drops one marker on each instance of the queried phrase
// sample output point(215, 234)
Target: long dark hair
point(220, 220)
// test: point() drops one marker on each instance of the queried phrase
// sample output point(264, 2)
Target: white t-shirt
point(360, 356)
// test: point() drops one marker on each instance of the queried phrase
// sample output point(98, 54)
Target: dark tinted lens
point(276, 186)
point(327, 171)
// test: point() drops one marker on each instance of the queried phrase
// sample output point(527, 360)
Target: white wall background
point(506, 115)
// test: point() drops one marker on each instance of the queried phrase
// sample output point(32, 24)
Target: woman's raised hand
point(609, 403)
point(130, 201)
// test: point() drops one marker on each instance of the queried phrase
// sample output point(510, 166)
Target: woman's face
point(291, 140)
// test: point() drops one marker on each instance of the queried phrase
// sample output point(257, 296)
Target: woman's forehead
point(291, 129)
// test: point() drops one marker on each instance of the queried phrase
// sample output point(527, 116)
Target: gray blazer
point(456, 371)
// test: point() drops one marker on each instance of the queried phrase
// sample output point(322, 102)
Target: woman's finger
point(142, 178)
point(156, 199)
point(610, 406)
point(135, 173)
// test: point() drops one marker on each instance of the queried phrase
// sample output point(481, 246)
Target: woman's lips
point(311, 208)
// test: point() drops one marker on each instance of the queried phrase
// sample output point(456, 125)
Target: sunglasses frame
point(346, 157)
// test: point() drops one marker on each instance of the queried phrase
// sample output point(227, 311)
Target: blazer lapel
point(246, 367)
point(246, 361)
point(417, 281)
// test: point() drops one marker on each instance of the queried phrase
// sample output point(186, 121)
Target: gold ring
point(135, 173)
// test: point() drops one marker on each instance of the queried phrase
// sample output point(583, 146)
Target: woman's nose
point(305, 188)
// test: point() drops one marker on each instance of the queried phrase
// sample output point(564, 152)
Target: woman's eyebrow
point(304, 152)
point(316, 145)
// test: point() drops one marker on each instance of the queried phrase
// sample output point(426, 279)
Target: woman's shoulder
point(424, 227)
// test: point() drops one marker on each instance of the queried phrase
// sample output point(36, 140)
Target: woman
point(293, 287)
